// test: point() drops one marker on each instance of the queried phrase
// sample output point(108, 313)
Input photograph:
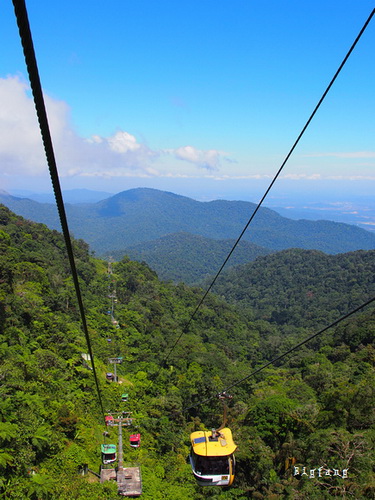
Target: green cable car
point(108, 453)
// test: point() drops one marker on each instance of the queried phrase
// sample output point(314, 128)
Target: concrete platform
point(129, 482)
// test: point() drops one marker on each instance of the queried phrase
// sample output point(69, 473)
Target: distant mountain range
point(357, 210)
point(130, 221)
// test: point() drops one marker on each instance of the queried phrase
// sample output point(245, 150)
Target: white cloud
point(120, 155)
point(297, 177)
point(316, 177)
point(21, 149)
point(210, 159)
point(123, 142)
point(343, 154)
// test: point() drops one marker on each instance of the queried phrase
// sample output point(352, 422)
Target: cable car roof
point(108, 448)
point(203, 444)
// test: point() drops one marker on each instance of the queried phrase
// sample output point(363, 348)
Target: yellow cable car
point(212, 457)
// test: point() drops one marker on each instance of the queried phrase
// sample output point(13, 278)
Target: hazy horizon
point(357, 209)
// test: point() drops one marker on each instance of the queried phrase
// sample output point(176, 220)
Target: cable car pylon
point(129, 481)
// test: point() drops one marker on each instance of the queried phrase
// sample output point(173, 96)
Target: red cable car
point(135, 440)
point(109, 420)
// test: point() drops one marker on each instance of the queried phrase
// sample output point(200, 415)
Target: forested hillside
point(301, 287)
point(187, 257)
point(312, 411)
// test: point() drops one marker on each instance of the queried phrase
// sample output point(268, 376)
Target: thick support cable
point(32, 69)
point(271, 184)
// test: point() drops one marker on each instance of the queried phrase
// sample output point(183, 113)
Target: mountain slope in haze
point(364, 217)
point(70, 196)
point(143, 214)
point(45, 213)
point(189, 258)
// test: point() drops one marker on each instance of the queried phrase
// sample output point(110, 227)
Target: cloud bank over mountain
point(121, 154)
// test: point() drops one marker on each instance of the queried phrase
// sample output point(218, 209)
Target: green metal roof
point(108, 448)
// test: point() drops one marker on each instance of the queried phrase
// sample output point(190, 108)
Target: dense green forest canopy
point(188, 257)
point(314, 410)
point(301, 287)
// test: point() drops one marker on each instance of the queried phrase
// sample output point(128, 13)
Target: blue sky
point(202, 98)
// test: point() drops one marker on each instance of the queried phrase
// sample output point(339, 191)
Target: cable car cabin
point(109, 420)
point(110, 377)
point(124, 397)
point(135, 440)
point(212, 457)
point(108, 453)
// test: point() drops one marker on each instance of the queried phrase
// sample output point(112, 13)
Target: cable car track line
point(184, 330)
point(281, 356)
point(32, 69)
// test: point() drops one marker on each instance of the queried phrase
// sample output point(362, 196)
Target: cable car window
point(211, 465)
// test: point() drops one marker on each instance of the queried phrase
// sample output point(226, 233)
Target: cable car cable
point(281, 356)
point(32, 69)
point(185, 328)
point(26, 39)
